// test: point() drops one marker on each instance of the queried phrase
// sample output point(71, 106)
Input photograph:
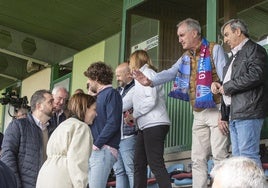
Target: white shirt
point(227, 99)
point(39, 124)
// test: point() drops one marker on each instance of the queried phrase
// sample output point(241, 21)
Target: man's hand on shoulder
point(141, 78)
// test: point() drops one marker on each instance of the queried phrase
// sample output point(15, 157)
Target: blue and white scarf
point(204, 97)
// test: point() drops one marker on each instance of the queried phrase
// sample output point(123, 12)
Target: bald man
point(124, 167)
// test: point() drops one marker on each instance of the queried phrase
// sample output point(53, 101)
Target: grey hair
point(236, 24)
point(38, 97)
point(237, 172)
point(58, 88)
point(191, 24)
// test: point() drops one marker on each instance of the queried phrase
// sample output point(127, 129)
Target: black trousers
point(149, 150)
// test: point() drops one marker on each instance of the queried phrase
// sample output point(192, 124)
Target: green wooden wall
point(180, 113)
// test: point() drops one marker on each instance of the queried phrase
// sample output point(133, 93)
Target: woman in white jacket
point(153, 122)
point(69, 147)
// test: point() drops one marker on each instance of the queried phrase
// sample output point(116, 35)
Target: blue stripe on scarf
point(180, 90)
point(182, 80)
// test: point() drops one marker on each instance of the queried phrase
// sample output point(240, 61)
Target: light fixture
point(31, 66)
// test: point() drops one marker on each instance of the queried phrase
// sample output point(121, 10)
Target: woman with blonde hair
point(153, 122)
point(69, 147)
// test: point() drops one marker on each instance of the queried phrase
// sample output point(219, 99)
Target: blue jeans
point(100, 165)
point(245, 138)
point(124, 167)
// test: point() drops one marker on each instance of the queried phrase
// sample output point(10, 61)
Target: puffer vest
point(194, 62)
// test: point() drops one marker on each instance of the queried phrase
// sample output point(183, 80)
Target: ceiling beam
point(45, 64)
point(9, 77)
point(42, 50)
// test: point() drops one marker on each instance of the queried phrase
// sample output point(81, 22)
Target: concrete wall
point(40, 80)
point(107, 51)
point(81, 62)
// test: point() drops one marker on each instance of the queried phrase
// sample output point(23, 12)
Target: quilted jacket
point(22, 150)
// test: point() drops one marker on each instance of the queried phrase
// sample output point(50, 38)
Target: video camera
point(14, 100)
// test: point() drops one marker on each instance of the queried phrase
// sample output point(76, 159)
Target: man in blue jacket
point(25, 140)
point(106, 126)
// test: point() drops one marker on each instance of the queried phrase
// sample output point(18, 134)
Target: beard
point(93, 89)
point(120, 83)
point(48, 113)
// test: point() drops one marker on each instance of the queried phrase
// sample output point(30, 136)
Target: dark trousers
point(149, 149)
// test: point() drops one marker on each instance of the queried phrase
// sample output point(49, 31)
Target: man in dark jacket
point(106, 126)
point(244, 88)
point(25, 140)
point(60, 96)
point(7, 177)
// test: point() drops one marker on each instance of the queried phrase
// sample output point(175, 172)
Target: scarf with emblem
point(204, 97)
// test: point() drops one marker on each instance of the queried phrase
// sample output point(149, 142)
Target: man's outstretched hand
point(141, 78)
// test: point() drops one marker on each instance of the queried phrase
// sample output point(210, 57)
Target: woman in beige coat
point(69, 147)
